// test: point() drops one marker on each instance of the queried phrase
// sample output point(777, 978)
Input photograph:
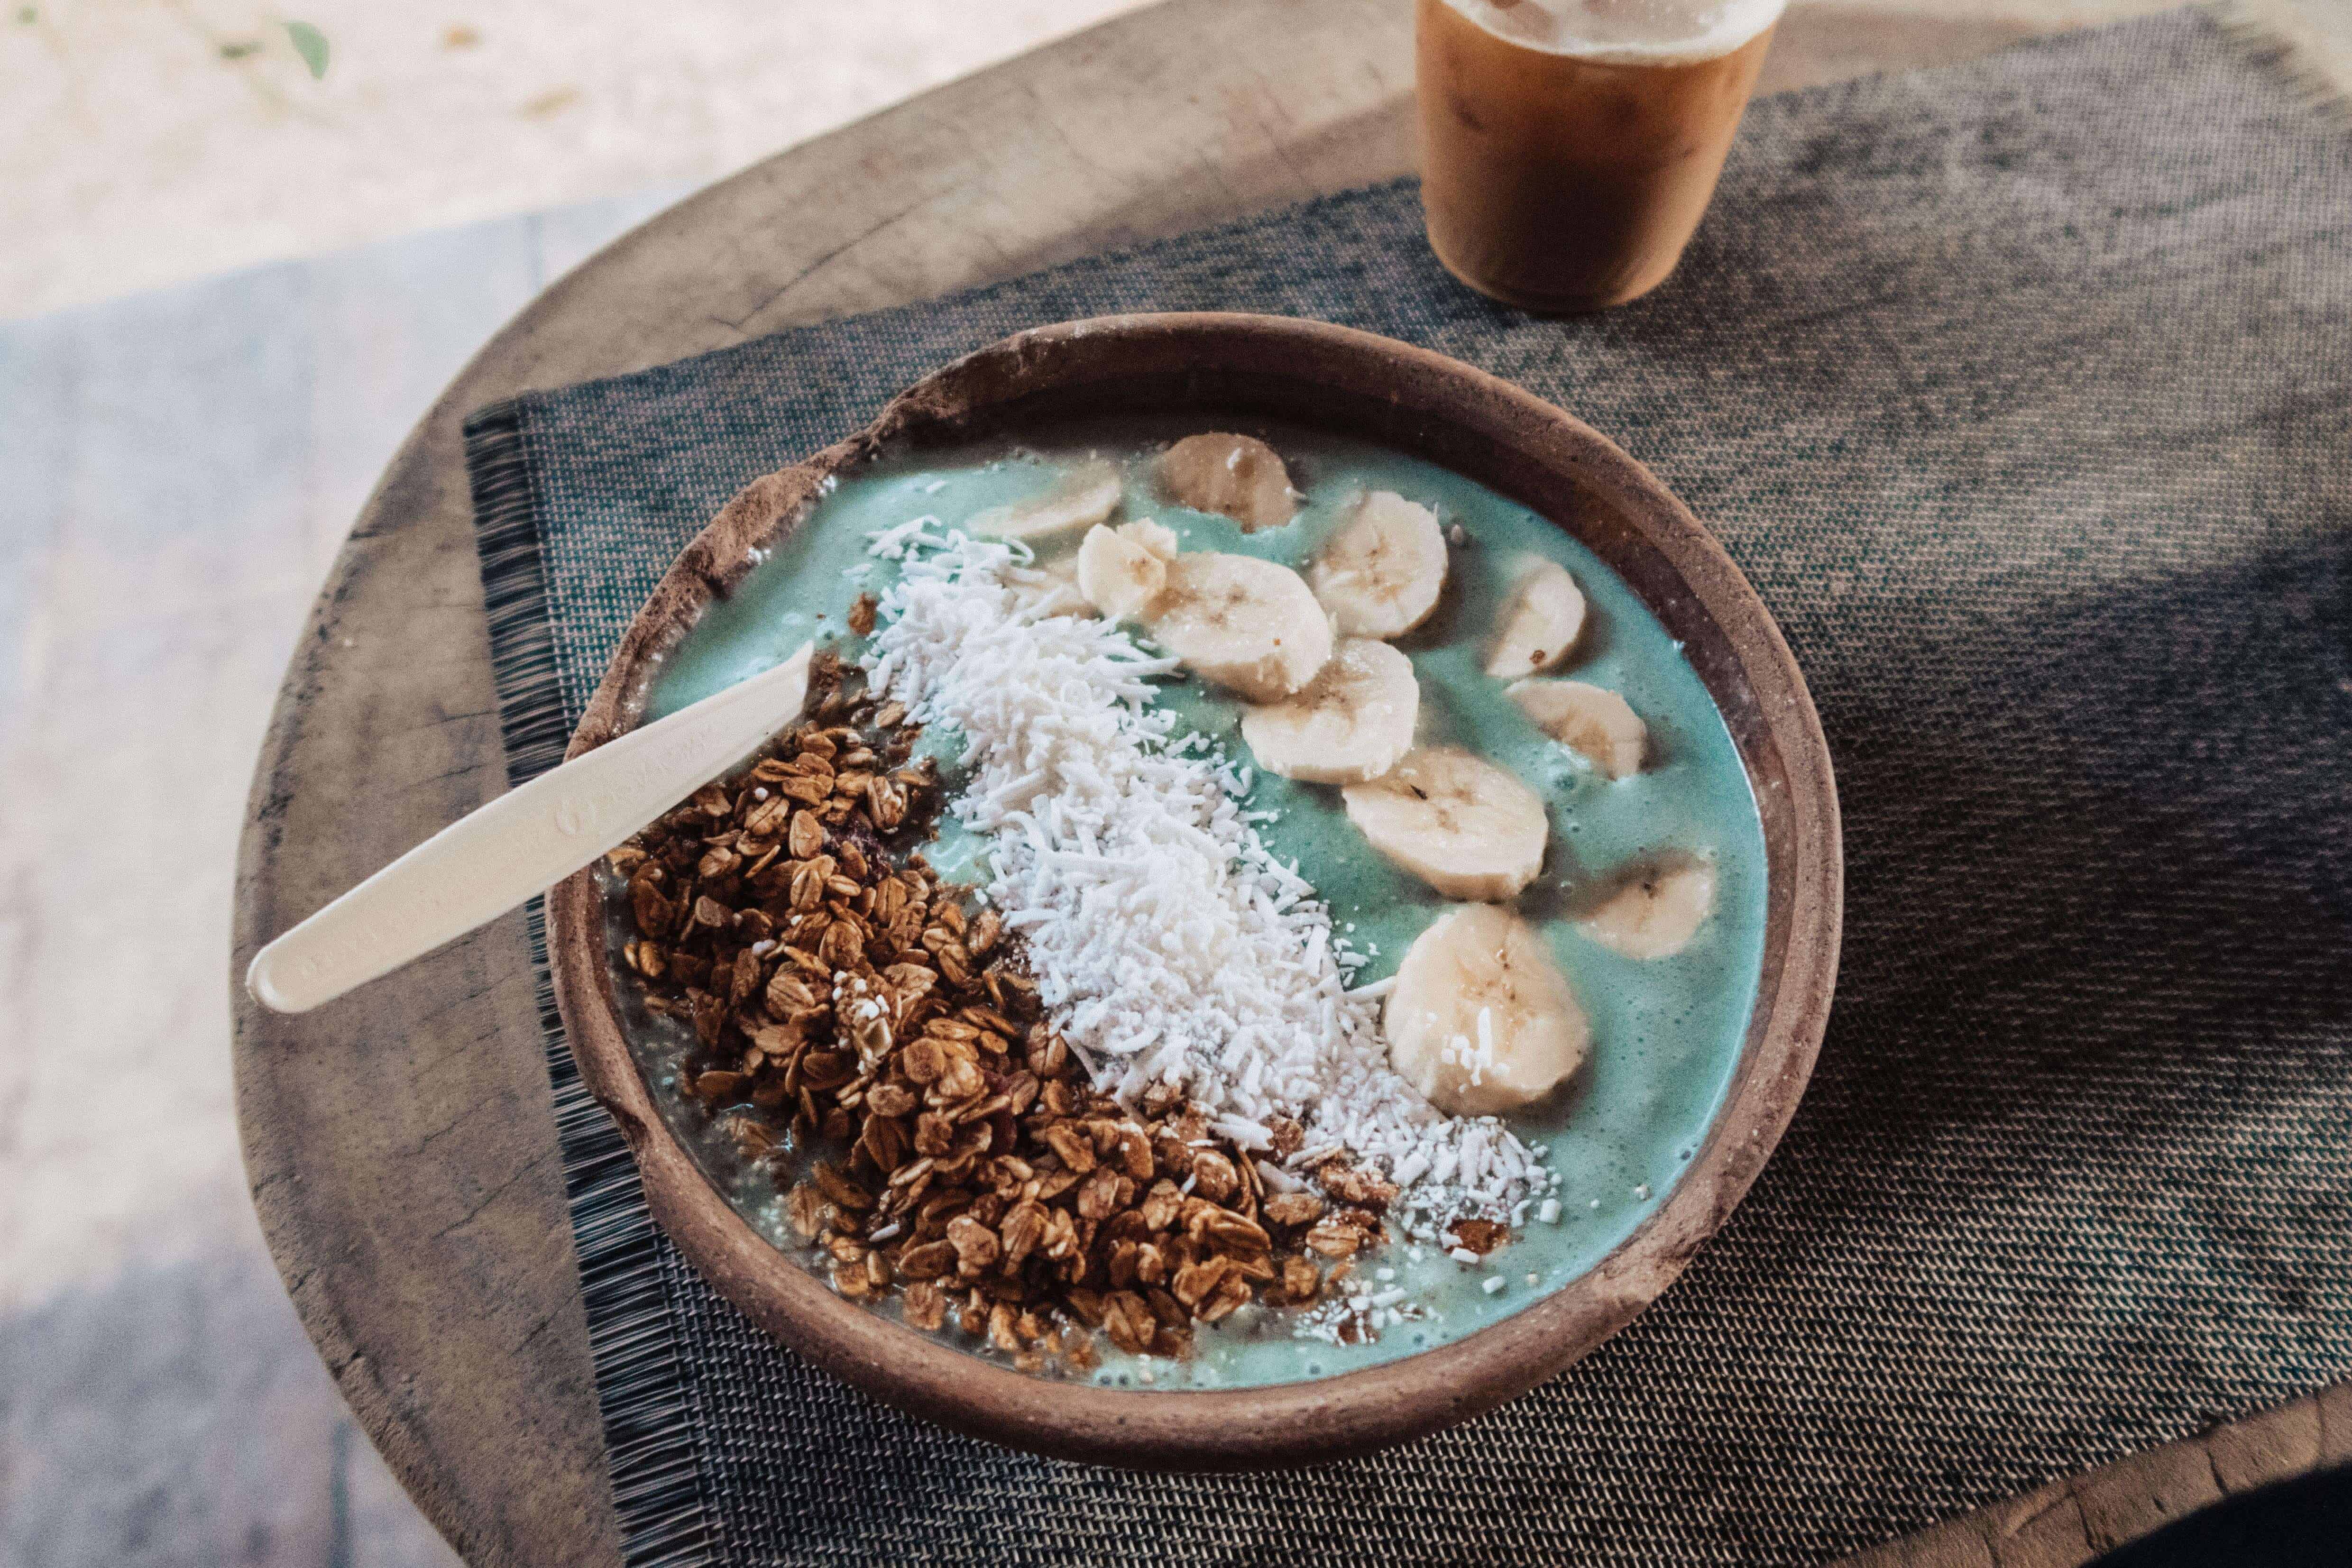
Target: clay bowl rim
point(1491, 431)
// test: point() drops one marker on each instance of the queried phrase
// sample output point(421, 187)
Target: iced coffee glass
point(1568, 147)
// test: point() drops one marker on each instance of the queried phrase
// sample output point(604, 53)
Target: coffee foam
point(1626, 32)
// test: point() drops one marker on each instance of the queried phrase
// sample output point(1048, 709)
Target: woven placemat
point(2023, 392)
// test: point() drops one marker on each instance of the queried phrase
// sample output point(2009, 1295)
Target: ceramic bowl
point(1227, 367)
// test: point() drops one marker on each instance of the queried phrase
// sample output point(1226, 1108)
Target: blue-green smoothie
point(1666, 1032)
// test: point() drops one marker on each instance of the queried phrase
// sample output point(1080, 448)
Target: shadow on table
point(2302, 1523)
point(2100, 862)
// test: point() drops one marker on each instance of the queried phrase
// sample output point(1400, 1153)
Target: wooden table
point(399, 1142)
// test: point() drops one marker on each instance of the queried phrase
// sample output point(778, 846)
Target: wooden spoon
point(523, 843)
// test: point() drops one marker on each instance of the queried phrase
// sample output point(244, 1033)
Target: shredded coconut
point(1167, 943)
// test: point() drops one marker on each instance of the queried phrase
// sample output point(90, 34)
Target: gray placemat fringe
point(2258, 33)
point(642, 1389)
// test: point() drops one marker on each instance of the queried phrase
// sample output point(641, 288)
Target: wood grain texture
point(400, 1142)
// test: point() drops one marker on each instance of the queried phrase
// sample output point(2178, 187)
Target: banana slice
point(1352, 722)
point(1079, 499)
point(1380, 575)
point(1119, 576)
point(1243, 622)
point(1481, 1021)
point(1592, 721)
point(1236, 476)
point(1461, 824)
point(1656, 909)
point(1155, 537)
point(1539, 625)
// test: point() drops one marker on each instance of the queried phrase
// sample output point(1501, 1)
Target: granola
point(871, 1037)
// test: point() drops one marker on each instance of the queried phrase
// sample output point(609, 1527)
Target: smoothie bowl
point(1306, 888)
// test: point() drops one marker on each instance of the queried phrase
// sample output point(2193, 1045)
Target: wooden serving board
point(400, 1142)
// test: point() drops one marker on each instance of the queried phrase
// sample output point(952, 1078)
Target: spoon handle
point(523, 843)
